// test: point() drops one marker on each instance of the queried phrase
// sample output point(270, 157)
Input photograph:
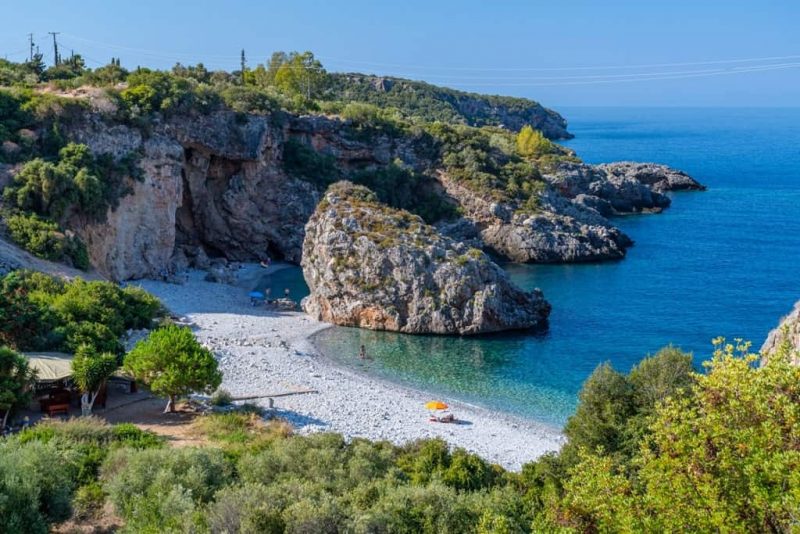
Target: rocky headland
point(372, 266)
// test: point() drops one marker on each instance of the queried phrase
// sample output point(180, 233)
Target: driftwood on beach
point(271, 395)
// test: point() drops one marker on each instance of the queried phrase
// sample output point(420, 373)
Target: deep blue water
point(722, 262)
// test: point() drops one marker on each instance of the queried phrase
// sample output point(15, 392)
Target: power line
point(565, 68)
point(764, 68)
point(56, 57)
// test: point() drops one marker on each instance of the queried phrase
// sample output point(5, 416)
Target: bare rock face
point(137, 238)
point(787, 334)
point(561, 230)
point(611, 194)
point(571, 222)
point(659, 178)
point(371, 266)
point(212, 185)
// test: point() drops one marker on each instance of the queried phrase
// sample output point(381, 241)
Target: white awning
point(50, 366)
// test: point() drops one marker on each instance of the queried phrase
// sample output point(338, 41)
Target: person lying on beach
point(446, 417)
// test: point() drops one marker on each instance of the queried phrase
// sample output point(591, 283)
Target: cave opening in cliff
point(210, 222)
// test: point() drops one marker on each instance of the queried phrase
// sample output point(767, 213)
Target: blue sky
point(562, 53)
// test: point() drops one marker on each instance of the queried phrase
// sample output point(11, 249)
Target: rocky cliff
point(217, 185)
point(785, 337)
point(371, 266)
point(570, 223)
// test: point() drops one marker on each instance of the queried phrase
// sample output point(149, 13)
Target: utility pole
point(56, 57)
point(243, 66)
point(30, 40)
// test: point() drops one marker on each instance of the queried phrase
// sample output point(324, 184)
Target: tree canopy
point(90, 370)
point(173, 363)
point(16, 379)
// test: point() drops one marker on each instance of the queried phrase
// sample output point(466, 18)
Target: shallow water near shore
point(721, 262)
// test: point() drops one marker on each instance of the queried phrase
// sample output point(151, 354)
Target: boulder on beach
point(373, 266)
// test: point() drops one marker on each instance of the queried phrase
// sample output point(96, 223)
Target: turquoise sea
point(721, 262)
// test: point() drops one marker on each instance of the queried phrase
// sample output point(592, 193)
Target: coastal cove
point(720, 262)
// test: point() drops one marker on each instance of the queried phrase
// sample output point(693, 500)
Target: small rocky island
point(372, 266)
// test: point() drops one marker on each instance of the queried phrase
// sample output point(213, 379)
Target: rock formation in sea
point(659, 178)
point(787, 334)
point(372, 266)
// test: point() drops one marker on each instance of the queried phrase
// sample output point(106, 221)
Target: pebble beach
point(262, 351)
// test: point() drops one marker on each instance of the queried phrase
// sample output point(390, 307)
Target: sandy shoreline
point(265, 351)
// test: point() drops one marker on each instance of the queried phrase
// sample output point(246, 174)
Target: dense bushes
point(31, 123)
point(487, 161)
point(76, 181)
point(41, 468)
point(661, 449)
point(39, 312)
point(406, 189)
point(44, 239)
point(302, 161)
point(46, 193)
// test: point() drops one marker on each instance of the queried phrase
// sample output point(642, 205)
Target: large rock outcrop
point(571, 221)
point(787, 334)
point(371, 266)
point(659, 178)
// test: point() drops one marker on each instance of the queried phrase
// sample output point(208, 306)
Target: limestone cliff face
point(787, 332)
point(214, 185)
point(211, 185)
point(375, 267)
point(138, 236)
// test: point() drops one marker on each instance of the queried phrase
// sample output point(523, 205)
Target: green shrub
point(246, 509)
point(38, 484)
point(76, 181)
point(302, 161)
point(406, 189)
point(44, 313)
point(88, 501)
point(221, 397)
point(532, 143)
point(45, 239)
point(250, 100)
point(156, 489)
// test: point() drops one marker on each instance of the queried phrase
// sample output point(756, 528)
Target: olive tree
point(172, 363)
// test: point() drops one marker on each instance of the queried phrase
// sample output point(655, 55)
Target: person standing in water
point(362, 354)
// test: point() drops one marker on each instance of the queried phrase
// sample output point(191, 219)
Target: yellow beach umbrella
point(436, 405)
